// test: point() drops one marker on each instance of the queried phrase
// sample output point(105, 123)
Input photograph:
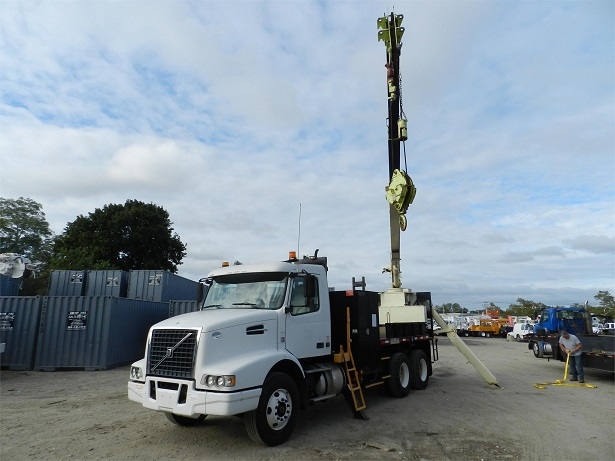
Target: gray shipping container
point(162, 286)
point(94, 332)
point(107, 283)
point(9, 286)
point(178, 307)
point(67, 283)
point(19, 323)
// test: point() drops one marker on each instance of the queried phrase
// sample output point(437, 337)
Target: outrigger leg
point(464, 349)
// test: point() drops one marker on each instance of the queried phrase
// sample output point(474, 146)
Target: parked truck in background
point(520, 331)
point(487, 327)
point(598, 349)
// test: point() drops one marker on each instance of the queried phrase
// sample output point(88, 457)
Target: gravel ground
point(86, 415)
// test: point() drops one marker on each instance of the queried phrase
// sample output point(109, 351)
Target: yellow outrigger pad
point(563, 381)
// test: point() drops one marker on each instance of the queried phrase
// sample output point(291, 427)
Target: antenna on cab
point(299, 234)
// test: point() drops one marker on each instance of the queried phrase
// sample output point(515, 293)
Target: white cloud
point(231, 114)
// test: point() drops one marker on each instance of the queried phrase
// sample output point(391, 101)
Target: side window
point(300, 303)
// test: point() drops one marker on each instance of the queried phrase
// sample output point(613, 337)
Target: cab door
point(307, 319)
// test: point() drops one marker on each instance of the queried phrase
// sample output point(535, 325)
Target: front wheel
point(538, 350)
point(276, 415)
point(185, 421)
point(398, 385)
point(419, 369)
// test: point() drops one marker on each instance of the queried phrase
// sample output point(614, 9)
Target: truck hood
point(217, 319)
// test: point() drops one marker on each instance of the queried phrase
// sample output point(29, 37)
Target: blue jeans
point(575, 366)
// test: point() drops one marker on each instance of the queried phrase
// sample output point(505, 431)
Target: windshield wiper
point(212, 305)
point(245, 304)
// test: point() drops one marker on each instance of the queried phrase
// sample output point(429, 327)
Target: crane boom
point(401, 191)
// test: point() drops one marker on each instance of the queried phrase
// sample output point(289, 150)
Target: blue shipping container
point(67, 283)
point(178, 307)
point(9, 286)
point(19, 323)
point(107, 283)
point(94, 332)
point(161, 286)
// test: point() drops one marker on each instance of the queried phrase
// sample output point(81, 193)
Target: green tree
point(24, 229)
point(525, 307)
point(448, 308)
point(606, 302)
point(135, 235)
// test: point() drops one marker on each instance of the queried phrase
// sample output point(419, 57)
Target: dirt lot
point(87, 415)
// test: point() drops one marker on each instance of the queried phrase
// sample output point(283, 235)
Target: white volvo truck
point(271, 339)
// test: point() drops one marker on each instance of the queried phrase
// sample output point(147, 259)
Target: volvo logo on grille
point(170, 351)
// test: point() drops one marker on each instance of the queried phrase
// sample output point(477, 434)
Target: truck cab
point(255, 320)
point(553, 319)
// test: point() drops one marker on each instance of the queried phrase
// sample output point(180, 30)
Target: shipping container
point(67, 283)
point(161, 286)
point(94, 332)
point(9, 286)
point(19, 324)
point(107, 283)
point(178, 307)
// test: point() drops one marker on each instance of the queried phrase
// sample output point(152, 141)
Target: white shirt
point(571, 343)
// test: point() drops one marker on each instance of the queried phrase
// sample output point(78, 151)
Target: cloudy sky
point(236, 115)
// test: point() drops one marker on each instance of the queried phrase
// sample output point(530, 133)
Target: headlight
point(218, 381)
point(136, 373)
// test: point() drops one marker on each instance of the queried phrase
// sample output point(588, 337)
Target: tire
point(419, 369)
point(184, 421)
point(538, 350)
point(274, 419)
point(518, 338)
point(398, 385)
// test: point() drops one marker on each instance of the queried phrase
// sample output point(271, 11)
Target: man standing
point(570, 344)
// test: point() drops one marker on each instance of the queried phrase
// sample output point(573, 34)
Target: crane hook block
point(400, 192)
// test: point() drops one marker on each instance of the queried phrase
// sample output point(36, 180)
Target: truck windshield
point(247, 291)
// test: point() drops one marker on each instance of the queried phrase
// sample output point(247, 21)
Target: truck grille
point(171, 353)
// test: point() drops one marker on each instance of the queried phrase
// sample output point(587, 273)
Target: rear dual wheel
point(398, 385)
point(407, 373)
point(419, 369)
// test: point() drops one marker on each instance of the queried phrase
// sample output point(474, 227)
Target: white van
point(520, 330)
